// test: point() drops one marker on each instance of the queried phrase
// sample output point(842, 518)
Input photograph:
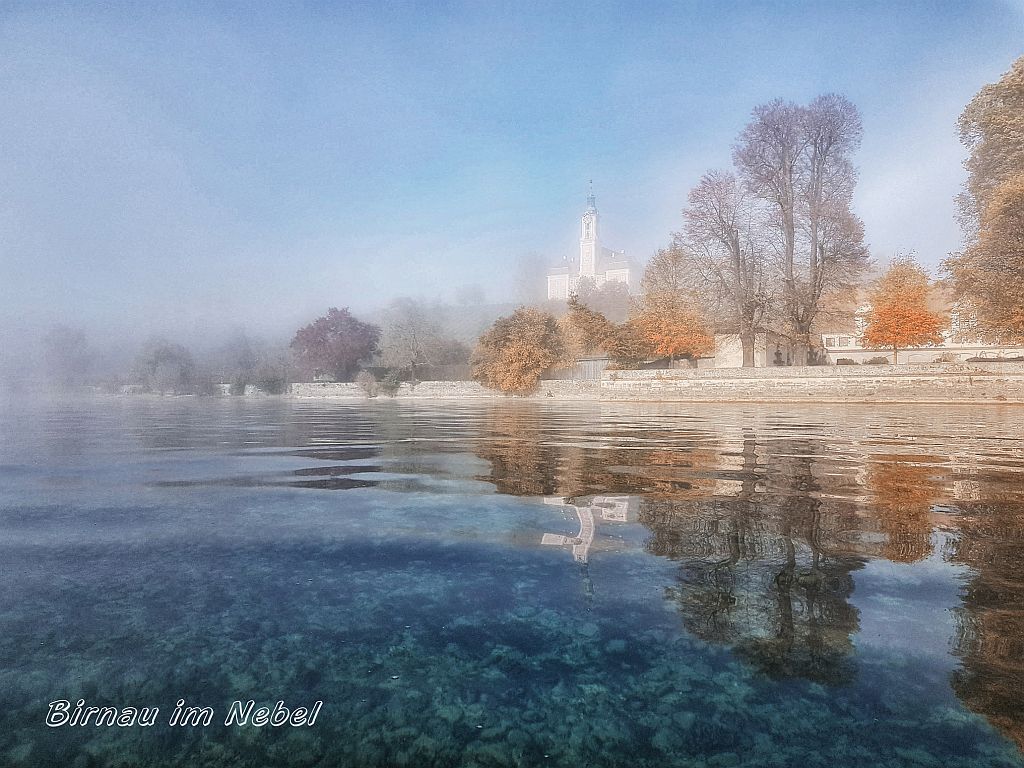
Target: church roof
point(610, 259)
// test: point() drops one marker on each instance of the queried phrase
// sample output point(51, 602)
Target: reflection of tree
point(764, 572)
point(904, 492)
point(528, 457)
point(522, 462)
point(990, 625)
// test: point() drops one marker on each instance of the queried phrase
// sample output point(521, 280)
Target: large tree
point(992, 129)
point(721, 242)
point(628, 346)
point(988, 275)
point(899, 316)
point(513, 353)
point(335, 345)
point(798, 161)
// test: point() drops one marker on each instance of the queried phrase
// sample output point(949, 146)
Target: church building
point(596, 263)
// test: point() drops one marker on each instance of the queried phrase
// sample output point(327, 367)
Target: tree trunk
point(747, 342)
point(895, 356)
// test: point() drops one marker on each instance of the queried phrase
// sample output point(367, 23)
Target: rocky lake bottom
point(513, 583)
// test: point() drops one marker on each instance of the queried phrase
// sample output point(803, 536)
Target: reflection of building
point(615, 509)
point(596, 263)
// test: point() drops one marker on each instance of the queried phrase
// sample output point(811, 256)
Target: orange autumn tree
point(514, 352)
point(899, 315)
point(672, 326)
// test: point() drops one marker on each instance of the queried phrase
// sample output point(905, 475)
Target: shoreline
point(937, 384)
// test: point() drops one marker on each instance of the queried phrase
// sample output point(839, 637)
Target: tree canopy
point(335, 345)
point(721, 235)
point(797, 161)
point(672, 327)
point(628, 346)
point(167, 368)
point(899, 315)
point(584, 330)
point(992, 129)
point(513, 353)
point(988, 275)
point(611, 299)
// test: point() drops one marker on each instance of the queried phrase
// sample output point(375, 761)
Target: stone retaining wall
point(932, 383)
point(448, 390)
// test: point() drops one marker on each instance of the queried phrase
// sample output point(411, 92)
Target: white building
point(595, 262)
point(959, 343)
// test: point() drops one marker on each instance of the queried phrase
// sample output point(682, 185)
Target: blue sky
point(186, 166)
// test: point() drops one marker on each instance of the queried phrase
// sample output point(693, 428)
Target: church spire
point(591, 200)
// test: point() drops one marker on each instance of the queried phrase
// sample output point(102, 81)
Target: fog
point(196, 173)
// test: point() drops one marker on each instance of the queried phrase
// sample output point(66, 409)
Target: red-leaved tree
point(335, 345)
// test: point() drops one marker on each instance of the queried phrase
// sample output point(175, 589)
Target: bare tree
point(416, 333)
point(721, 242)
point(836, 254)
point(797, 159)
point(411, 331)
point(672, 271)
point(768, 156)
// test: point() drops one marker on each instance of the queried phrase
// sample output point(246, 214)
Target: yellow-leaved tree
point(899, 315)
point(513, 353)
point(988, 275)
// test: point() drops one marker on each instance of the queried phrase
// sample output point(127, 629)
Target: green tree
point(167, 368)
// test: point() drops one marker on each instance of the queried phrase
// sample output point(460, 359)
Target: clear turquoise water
point(516, 583)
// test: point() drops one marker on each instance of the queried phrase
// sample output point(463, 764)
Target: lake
point(514, 583)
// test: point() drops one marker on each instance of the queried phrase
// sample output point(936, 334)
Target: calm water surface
point(515, 583)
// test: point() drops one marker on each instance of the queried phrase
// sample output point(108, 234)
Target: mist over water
point(515, 583)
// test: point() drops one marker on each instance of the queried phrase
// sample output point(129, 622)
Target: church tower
point(598, 264)
point(589, 245)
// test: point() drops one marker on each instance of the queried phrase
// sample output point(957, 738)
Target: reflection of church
point(615, 509)
point(596, 263)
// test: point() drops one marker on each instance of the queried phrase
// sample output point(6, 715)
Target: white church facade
point(595, 263)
